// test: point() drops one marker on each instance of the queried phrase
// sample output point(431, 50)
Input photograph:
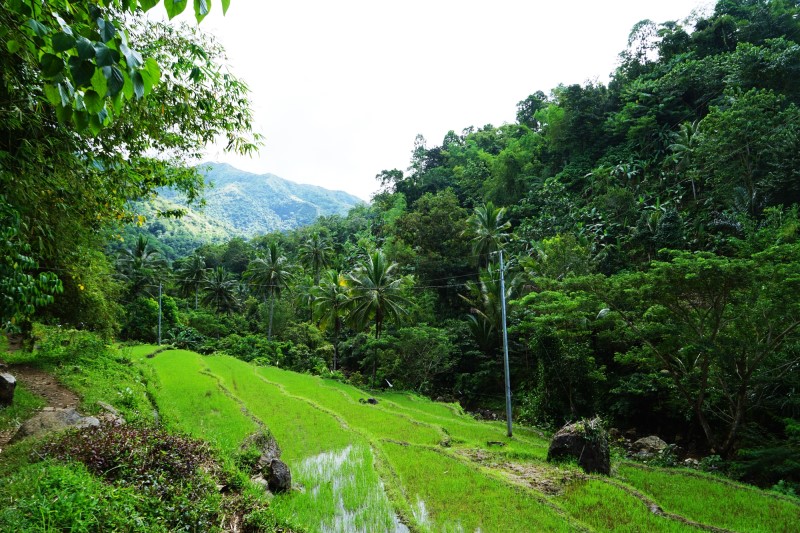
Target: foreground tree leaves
point(83, 52)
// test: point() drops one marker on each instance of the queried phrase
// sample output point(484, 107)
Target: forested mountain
point(236, 204)
point(254, 204)
point(649, 230)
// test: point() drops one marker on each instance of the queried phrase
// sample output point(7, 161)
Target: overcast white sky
point(340, 89)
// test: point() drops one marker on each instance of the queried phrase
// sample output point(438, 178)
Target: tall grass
point(447, 495)
point(708, 501)
point(191, 401)
point(608, 508)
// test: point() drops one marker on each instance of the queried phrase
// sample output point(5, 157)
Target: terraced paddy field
point(409, 464)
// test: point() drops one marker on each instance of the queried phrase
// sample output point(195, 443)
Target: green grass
point(447, 495)
point(608, 508)
point(708, 501)
point(192, 401)
point(49, 496)
point(24, 405)
point(342, 492)
point(359, 466)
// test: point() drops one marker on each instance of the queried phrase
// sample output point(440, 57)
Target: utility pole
point(505, 343)
point(159, 313)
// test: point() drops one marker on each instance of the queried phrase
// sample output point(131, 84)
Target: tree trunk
point(271, 308)
point(336, 327)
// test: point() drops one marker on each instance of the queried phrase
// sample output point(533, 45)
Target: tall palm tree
point(191, 275)
point(267, 277)
point(219, 290)
point(330, 305)
point(140, 266)
point(375, 295)
point(488, 229)
point(684, 144)
point(315, 253)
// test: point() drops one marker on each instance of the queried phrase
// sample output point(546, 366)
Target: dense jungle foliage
point(649, 231)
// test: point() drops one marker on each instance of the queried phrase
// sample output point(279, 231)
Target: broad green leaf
point(63, 42)
point(52, 94)
point(66, 92)
point(201, 9)
point(175, 7)
point(64, 113)
point(132, 57)
point(138, 85)
point(127, 86)
point(147, 4)
point(114, 78)
point(106, 57)
point(117, 101)
point(38, 28)
point(51, 65)
point(107, 30)
point(154, 71)
point(93, 102)
point(82, 71)
point(225, 5)
point(95, 124)
point(12, 46)
point(99, 82)
point(85, 48)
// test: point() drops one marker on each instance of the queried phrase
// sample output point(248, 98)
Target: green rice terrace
point(403, 464)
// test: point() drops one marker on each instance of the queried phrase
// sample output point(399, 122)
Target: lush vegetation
point(646, 233)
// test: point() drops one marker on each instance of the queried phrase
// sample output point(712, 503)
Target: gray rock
point(260, 481)
point(586, 441)
point(53, 420)
point(649, 445)
point(280, 478)
point(108, 407)
point(7, 385)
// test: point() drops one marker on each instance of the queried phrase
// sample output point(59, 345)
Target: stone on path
point(50, 420)
point(7, 385)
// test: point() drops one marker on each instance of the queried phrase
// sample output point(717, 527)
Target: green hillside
point(253, 204)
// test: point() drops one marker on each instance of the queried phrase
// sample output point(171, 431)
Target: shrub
point(179, 471)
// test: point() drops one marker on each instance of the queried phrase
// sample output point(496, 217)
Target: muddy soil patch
point(541, 477)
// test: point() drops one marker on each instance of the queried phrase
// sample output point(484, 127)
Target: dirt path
point(42, 384)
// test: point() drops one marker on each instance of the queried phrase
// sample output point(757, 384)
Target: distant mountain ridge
point(253, 204)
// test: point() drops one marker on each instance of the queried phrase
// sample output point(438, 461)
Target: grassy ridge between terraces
point(364, 467)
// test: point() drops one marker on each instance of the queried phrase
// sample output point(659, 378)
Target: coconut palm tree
point(140, 266)
point(375, 295)
point(267, 277)
point(684, 144)
point(315, 253)
point(488, 229)
point(191, 275)
point(219, 290)
point(330, 305)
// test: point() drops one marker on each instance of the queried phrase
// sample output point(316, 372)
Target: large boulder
point(7, 385)
point(268, 471)
point(651, 445)
point(50, 420)
point(585, 441)
point(279, 478)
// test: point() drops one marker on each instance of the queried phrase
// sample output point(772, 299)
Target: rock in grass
point(269, 471)
point(280, 478)
point(49, 421)
point(7, 385)
point(585, 441)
